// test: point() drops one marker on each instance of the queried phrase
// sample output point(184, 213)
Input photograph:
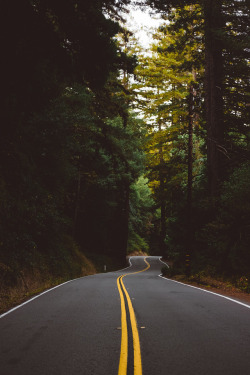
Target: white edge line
point(163, 262)
point(130, 265)
point(31, 299)
point(49, 290)
point(208, 291)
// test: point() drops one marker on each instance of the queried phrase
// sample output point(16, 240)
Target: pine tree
point(166, 90)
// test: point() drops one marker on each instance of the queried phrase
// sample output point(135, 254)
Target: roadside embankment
point(214, 284)
point(19, 282)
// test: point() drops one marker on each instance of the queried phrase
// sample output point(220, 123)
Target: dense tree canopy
point(79, 166)
point(67, 158)
point(198, 60)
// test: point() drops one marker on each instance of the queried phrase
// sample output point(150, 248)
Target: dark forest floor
point(212, 284)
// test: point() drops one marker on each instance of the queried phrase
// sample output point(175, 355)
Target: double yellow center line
point(123, 364)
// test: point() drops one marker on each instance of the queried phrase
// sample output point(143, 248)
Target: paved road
point(77, 328)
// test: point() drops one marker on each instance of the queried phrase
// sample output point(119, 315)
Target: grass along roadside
point(213, 284)
point(20, 284)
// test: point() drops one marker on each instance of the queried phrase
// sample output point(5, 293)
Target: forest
point(107, 150)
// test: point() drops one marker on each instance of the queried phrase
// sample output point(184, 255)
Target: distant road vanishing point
point(129, 322)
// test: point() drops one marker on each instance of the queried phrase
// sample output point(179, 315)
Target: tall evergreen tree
point(166, 87)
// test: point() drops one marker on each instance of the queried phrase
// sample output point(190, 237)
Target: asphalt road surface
point(140, 323)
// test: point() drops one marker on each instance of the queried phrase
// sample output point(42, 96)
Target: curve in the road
point(124, 327)
point(75, 329)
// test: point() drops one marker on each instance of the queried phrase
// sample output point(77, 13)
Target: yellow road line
point(136, 341)
point(124, 335)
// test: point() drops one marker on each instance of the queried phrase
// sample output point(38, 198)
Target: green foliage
point(244, 284)
point(218, 228)
point(165, 80)
point(137, 243)
point(228, 235)
point(173, 270)
point(142, 211)
point(115, 163)
point(235, 194)
point(69, 147)
point(72, 152)
point(166, 271)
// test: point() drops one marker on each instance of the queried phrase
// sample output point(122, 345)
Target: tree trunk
point(213, 93)
point(190, 153)
point(189, 226)
point(77, 201)
point(163, 228)
point(125, 204)
point(120, 224)
point(125, 220)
